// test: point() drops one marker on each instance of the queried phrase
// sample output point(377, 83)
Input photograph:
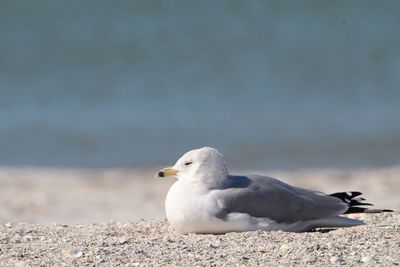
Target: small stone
point(261, 250)
point(21, 264)
point(27, 238)
point(122, 241)
point(215, 244)
point(8, 224)
point(311, 259)
point(335, 259)
point(330, 245)
point(366, 259)
point(76, 253)
point(285, 247)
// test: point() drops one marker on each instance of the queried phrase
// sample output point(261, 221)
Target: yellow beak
point(169, 171)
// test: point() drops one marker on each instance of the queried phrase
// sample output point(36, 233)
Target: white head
point(200, 166)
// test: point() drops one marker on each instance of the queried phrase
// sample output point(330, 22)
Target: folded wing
point(262, 196)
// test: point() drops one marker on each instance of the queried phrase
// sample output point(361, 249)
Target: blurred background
point(271, 84)
point(96, 95)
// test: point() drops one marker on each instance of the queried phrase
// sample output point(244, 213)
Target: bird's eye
point(188, 163)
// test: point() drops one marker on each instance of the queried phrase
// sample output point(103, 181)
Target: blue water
point(272, 84)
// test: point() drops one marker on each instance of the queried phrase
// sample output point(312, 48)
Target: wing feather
point(262, 196)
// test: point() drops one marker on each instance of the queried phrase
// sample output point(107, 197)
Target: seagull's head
point(204, 165)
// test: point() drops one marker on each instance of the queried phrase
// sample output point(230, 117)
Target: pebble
point(76, 253)
point(335, 259)
point(21, 264)
point(215, 244)
point(284, 247)
point(122, 241)
point(311, 259)
point(366, 259)
point(27, 238)
point(261, 250)
point(330, 245)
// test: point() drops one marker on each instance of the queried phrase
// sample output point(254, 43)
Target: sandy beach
point(115, 216)
point(79, 196)
point(154, 243)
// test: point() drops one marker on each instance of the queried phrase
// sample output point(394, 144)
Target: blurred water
point(272, 84)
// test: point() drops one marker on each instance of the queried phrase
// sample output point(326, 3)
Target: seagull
point(207, 199)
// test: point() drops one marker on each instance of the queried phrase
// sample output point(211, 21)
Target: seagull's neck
point(205, 181)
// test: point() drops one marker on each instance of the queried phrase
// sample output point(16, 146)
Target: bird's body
point(206, 199)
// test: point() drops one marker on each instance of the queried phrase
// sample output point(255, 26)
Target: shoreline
point(79, 196)
point(82, 202)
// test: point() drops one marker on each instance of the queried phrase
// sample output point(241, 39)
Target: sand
point(93, 217)
point(143, 243)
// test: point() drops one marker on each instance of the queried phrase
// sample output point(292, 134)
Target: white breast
point(189, 209)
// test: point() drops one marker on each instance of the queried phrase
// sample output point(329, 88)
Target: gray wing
point(261, 196)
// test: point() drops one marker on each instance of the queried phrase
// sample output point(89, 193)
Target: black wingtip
point(376, 210)
point(386, 210)
point(356, 210)
point(346, 195)
point(354, 202)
